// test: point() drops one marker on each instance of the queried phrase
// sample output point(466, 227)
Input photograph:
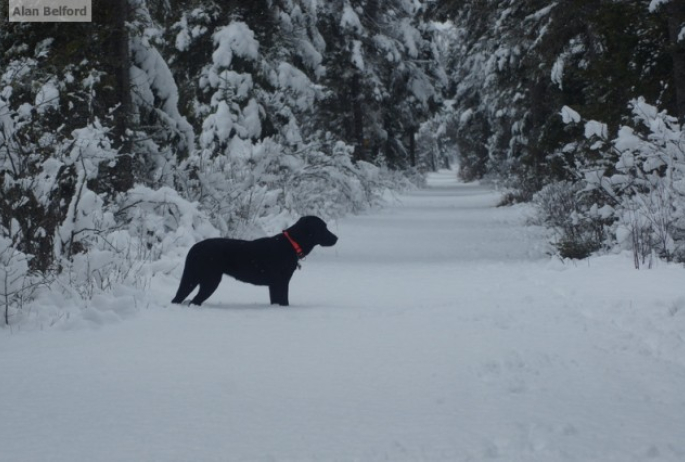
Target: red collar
point(296, 246)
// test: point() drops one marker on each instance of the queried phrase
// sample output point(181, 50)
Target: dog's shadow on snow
point(259, 307)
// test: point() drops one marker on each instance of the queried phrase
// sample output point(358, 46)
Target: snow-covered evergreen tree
point(517, 63)
point(384, 74)
point(256, 105)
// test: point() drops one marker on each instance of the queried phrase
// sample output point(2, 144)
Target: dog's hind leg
point(208, 285)
point(187, 285)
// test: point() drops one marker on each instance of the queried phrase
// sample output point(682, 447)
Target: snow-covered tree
point(517, 63)
point(256, 107)
point(384, 75)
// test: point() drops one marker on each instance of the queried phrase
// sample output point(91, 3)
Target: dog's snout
point(330, 240)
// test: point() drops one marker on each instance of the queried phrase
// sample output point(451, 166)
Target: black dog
point(269, 261)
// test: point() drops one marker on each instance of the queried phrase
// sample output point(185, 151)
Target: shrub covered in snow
point(633, 194)
point(17, 282)
point(571, 212)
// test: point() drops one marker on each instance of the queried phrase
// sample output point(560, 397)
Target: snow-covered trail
point(436, 330)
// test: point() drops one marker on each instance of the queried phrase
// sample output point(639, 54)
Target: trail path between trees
point(436, 330)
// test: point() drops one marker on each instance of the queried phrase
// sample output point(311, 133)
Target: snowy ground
point(436, 330)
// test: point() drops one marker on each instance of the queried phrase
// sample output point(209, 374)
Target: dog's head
point(314, 231)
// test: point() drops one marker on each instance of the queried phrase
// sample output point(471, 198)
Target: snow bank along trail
point(436, 330)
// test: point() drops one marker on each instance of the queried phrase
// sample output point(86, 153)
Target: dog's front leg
point(279, 293)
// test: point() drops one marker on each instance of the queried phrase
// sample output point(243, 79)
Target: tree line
point(161, 115)
point(577, 106)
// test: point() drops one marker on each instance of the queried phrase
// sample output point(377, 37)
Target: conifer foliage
point(543, 92)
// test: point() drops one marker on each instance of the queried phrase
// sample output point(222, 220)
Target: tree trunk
point(676, 22)
point(360, 152)
point(123, 176)
point(412, 146)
